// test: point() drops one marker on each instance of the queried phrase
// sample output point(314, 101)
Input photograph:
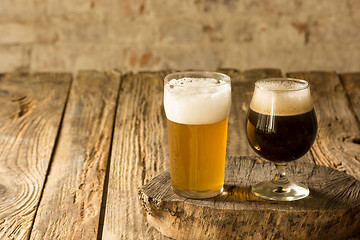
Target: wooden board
point(32, 106)
point(31, 113)
point(71, 202)
point(331, 211)
point(333, 146)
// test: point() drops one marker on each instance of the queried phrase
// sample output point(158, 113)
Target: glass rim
point(304, 84)
point(198, 74)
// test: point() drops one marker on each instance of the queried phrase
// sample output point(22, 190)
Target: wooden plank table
point(75, 150)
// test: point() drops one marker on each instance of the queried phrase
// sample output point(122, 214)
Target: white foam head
point(281, 96)
point(197, 100)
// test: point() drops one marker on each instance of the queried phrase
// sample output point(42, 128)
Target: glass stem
point(280, 177)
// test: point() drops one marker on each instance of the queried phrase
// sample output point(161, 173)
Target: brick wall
point(68, 35)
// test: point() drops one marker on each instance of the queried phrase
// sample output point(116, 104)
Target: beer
point(197, 155)
point(281, 125)
point(197, 109)
point(287, 139)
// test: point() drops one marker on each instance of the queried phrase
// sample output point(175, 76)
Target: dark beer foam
point(282, 85)
point(281, 98)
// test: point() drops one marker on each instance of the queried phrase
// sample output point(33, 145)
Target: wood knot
point(25, 105)
point(351, 139)
point(3, 92)
point(2, 189)
point(356, 140)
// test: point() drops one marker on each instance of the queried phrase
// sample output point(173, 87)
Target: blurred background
point(141, 35)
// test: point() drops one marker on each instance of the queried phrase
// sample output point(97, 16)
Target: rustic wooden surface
point(32, 106)
point(74, 190)
point(332, 206)
point(48, 155)
point(351, 84)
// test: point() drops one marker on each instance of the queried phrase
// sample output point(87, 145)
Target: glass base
point(196, 194)
point(280, 192)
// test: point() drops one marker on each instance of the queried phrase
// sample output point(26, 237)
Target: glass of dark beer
point(281, 127)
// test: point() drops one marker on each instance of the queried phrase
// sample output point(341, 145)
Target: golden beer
point(197, 106)
point(197, 155)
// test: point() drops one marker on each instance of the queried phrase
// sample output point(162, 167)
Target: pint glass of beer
point(197, 106)
point(281, 127)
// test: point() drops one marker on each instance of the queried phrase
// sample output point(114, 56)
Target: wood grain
point(332, 210)
point(71, 202)
point(139, 153)
point(32, 106)
point(351, 82)
point(333, 146)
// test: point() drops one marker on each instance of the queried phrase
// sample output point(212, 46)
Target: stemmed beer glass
point(281, 127)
